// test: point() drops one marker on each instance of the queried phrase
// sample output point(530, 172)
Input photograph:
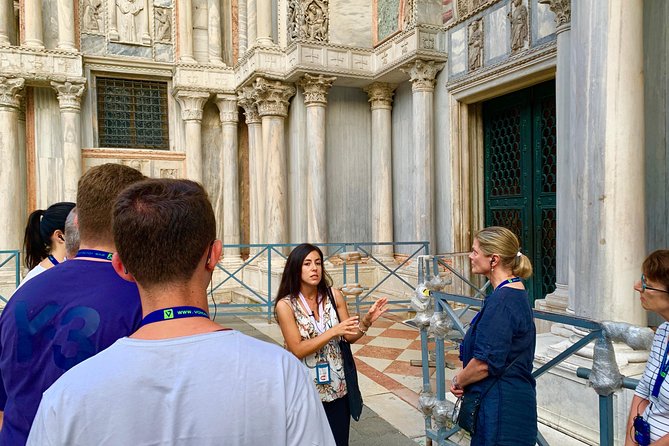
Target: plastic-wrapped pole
point(605, 377)
point(639, 338)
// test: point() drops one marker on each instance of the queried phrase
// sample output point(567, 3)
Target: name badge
point(322, 373)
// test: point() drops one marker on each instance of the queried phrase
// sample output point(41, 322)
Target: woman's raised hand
point(376, 310)
point(346, 327)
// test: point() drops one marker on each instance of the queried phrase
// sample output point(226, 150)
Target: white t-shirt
point(37, 270)
point(657, 412)
point(220, 388)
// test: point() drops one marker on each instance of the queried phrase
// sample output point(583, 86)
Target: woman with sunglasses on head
point(648, 421)
point(312, 326)
point(498, 349)
point(44, 241)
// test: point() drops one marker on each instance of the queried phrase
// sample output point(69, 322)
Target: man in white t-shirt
point(180, 379)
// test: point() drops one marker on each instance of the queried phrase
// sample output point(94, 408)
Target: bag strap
point(498, 378)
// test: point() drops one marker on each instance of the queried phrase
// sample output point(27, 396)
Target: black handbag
point(350, 372)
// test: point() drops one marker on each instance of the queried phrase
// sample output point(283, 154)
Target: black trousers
point(339, 417)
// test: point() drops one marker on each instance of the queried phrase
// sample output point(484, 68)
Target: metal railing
point(5, 258)
point(258, 275)
point(443, 410)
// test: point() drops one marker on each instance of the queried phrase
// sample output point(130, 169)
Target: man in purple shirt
point(79, 308)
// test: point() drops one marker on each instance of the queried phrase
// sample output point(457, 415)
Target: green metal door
point(520, 175)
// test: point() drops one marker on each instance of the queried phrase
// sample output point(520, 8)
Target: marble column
point(315, 99)
point(66, 25)
point(185, 29)
point(381, 99)
point(272, 100)
point(242, 30)
point(192, 104)
point(214, 30)
point(227, 106)
point(257, 191)
point(32, 19)
point(113, 26)
point(11, 191)
point(607, 136)
point(69, 99)
point(264, 22)
point(422, 76)
point(6, 16)
point(251, 22)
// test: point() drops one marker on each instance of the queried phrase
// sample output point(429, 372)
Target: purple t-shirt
point(60, 318)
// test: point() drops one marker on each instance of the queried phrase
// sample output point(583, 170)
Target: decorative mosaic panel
point(132, 114)
point(387, 18)
point(505, 153)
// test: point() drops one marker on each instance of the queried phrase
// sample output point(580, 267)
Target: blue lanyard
point(94, 254)
point(662, 373)
point(167, 314)
point(53, 260)
point(507, 281)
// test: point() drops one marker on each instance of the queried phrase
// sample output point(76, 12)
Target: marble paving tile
point(404, 368)
point(390, 342)
point(415, 345)
point(413, 384)
point(373, 351)
point(401, 326)
point(378, 377)
point(399, 413)
point(382, 322)
point(355, 347)
point(377, 363)
point(375, 331)
point(369, 387)
point(402, 334)
point(408, 355)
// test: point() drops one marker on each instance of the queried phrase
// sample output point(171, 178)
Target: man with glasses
point(648, 421)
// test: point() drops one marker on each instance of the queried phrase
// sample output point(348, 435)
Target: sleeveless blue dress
point(502, 333)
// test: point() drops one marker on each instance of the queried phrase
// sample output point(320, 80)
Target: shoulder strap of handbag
point(497, 379)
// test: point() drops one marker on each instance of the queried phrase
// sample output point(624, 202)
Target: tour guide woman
point(498, 349)
point(651, 398)
point(311, 330)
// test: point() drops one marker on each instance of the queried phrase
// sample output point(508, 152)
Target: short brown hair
point(97, 190)
point(162, 227)
point(656, 267)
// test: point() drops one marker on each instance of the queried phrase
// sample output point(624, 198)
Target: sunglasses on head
point(645, 287)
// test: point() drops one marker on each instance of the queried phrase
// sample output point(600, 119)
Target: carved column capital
point(423, 74)
point(316, 88)
point(561, 9)
point(192, 104)
point(227, 107)
point(380, 94)
point(69, 94)
point(246, 101)
point(10, 92)
point(272, 97)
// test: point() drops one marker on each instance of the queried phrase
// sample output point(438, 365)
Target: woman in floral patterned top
point(311, 330)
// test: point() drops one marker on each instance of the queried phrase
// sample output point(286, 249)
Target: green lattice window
point(132, 114)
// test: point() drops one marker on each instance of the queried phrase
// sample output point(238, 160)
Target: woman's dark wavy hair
point(41, 226)
point(291, 279)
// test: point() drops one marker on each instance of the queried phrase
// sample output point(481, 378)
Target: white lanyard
point(320, 326)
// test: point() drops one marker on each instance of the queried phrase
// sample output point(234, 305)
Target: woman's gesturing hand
point(346, 327)
point(375, 311)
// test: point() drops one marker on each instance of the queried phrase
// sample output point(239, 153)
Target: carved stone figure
point(475, 43)
point(519, 28)
point(92, 20)
point(294, 19)
point(163, 24)
point(129, 10)
point(315, 21)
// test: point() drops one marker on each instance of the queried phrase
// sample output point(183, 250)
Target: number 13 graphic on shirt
point(72, 343)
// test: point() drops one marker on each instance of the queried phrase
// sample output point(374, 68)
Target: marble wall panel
point(296, 136)
point(164, 52)
point(130, 50)
point(457, 55)
point(350, 22)
point(403, 183)
point(200, 45)
point(429, 12)
point(348, 164)
point(48, 148)
point(93, 45)
point(542, 22)
point(212, 161)
point(497, 43)
point(443, 160)
point(163, 3)
point(656, 72)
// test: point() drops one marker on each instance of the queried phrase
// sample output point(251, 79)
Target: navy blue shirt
point(503, 333)
point(55, 321)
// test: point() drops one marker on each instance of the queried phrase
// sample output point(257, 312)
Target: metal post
point(269, 283)
point(606, 420)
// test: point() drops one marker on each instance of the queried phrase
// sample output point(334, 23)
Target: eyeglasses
point(645, 287)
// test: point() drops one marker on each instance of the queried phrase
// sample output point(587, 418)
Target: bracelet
point(454, 383)
point(361, 330)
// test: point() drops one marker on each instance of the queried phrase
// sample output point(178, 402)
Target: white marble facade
point(382, 148)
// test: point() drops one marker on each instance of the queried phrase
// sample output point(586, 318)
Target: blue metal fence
point(11, 259)
point(428, 267)
point(263, 261)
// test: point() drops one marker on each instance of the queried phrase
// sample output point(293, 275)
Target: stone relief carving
point(92, 16)
point(407, 13)
point(308, 20)
point(127, 26)
point(169, 173)
point(467, 6)
point(163, 24)
point(475, 44)
point(10, 92)
point(561, 9)
point(519, 25)
point(380, 94)
point(272, 97)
